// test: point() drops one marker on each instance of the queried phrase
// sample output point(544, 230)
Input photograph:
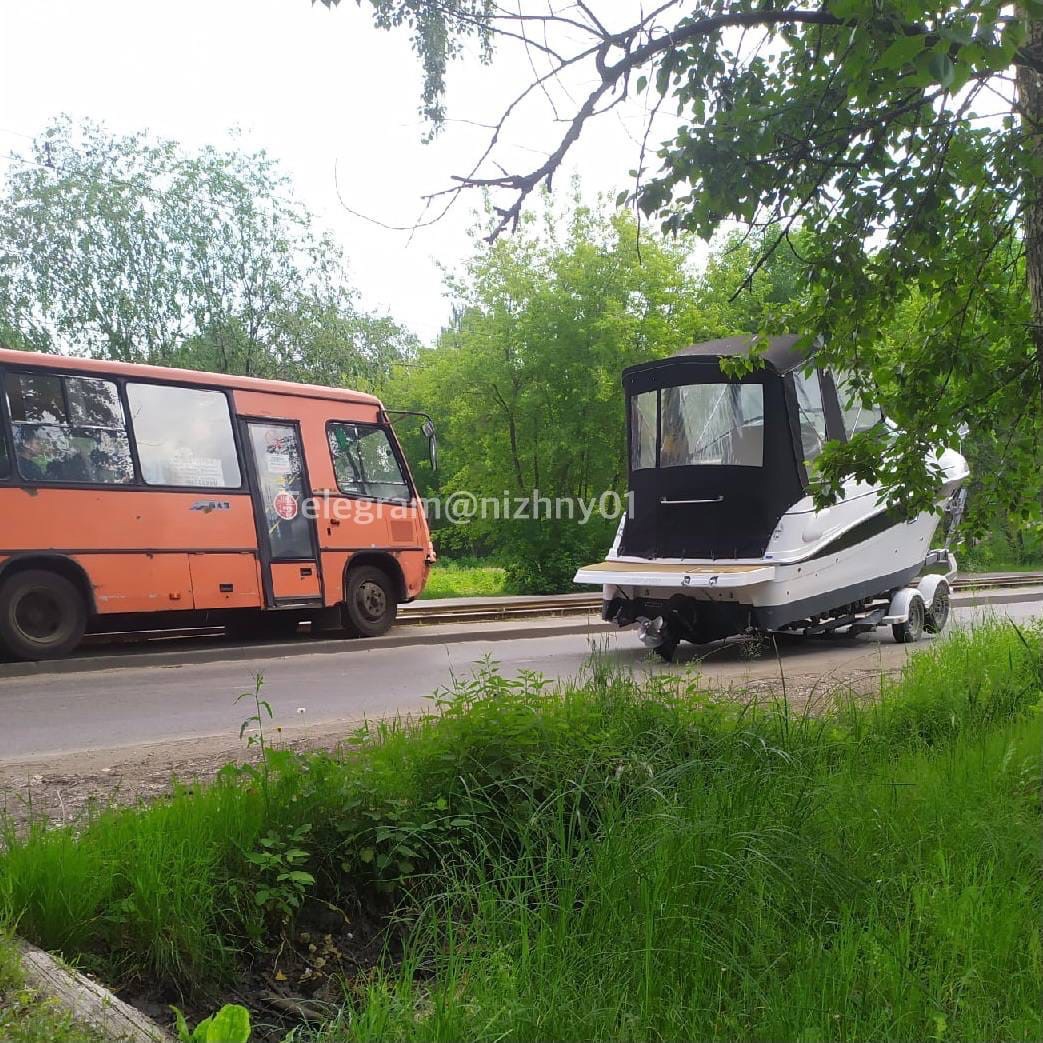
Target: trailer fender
point(927, 587)
point(898, 610)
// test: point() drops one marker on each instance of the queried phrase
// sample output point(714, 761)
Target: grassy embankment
point(465, 579)
point(621, 859)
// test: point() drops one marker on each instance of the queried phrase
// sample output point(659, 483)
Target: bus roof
point(134, 370)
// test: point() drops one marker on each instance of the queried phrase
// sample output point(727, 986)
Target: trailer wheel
point(666, 649)
point(938, 614)
point(42, 615)
point(912, 629)
point(370, 605)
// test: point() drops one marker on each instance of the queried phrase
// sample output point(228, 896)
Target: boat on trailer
point(721, 536)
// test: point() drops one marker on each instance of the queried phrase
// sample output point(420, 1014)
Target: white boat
point(722, 536)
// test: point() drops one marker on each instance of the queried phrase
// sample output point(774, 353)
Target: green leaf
point(1014, 34)
point(901, 52)
point(367, 854)
point(231, 1024)
point(845, 8)
point(181, 1026)
point(202, 1031)
point(956, 34)
point(642, 83)
point(942, 69)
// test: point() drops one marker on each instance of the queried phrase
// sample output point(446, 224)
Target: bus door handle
point(672, 503)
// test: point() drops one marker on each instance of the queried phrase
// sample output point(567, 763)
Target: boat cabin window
point(644, 410)
point(701, 424)
point(858, 414)
point(812, 414)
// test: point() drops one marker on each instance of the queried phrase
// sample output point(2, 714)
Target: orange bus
point(136, 496)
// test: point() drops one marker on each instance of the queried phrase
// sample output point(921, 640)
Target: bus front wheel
point(370, 605)
point(42, 615)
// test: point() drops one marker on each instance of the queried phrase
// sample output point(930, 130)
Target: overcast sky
point(320, 90)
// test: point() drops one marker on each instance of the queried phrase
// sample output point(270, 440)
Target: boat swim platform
point(673, 574)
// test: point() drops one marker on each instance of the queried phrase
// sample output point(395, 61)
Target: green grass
point(899, 904)
point(452, 579)
point(875, 876)
point(617, 858)
point(1000, 551)
point(27, 1018)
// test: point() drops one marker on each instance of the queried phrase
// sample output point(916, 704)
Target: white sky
point(315, 88)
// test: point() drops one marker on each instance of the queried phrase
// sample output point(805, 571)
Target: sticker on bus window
point(285, 505)
point(279, 463)
point(183, 469)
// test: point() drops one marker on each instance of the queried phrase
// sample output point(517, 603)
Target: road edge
point(414, 634)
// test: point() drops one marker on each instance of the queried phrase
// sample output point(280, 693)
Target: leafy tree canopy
point(903, 136)
point(525, 382)
point(126, 247)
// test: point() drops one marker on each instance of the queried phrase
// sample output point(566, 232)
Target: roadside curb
point(408, 635)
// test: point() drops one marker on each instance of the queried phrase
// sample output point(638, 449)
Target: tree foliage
point(526, 381)
point(439, 31)
point(904, 136)
point(126, 247)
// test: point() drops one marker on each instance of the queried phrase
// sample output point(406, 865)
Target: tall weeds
point(616, 858)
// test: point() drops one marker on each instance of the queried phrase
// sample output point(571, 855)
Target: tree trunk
point(86, 1000)
point(1030, 106)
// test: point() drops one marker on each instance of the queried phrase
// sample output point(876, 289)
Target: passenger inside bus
point(41, 460)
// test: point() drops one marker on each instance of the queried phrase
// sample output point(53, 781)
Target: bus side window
point(5, 460)
point(184, 436)
point(68, 429)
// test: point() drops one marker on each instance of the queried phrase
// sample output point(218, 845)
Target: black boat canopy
point(716, 461)
point(780, 355)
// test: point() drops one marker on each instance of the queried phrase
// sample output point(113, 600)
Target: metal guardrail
point(484, 610)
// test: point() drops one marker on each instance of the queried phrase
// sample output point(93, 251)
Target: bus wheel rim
point(38, 616)
point(371, 600)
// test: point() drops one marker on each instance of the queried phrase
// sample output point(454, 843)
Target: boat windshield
point(700, 424)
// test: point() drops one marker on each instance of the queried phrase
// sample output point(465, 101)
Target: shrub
point(542, 556)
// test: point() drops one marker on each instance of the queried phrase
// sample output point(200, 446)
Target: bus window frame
point(12, 477)
point(121, 382)
point(383, 425)
point(233, 418)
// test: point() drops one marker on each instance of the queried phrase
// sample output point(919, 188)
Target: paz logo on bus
point(285, 505)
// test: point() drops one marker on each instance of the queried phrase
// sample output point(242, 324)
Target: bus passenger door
point(286, 532)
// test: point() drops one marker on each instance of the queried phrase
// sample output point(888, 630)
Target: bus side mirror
point(432, 442)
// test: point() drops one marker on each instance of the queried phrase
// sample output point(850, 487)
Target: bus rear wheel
point(370, 605)
point(42, 615)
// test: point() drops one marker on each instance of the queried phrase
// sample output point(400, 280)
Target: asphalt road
point(63, 714)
